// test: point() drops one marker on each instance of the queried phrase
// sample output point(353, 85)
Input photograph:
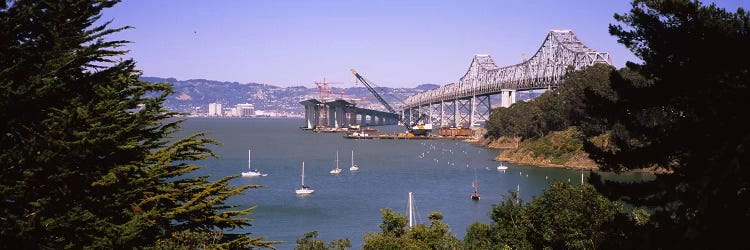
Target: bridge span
point(466, 102)
point(341, 113)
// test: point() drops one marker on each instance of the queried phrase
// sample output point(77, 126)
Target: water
point(438, 172)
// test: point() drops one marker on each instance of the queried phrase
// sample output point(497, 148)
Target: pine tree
point(684, 113)
point(85, 146)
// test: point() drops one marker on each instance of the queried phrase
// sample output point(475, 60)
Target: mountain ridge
point(194, 95)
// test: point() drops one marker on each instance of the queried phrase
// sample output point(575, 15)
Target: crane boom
point(375, 93)
point(409, 127)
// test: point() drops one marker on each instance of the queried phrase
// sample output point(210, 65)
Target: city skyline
point(394, 44)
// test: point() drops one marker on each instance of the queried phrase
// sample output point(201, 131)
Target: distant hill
point(194, 95)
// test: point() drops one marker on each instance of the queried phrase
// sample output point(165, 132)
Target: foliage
point(86, 150)
point(310, 242)
point(394, 224)
point(573, 216)
point(558, 146)
point(554, 110)
point(511, 223)
point(523, 119)
point(395, 235)
point(565, 216)
point(478, 236)
point(683, 113)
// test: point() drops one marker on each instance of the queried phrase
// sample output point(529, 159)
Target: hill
point(194, 95)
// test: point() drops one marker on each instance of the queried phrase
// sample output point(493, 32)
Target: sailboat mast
point(249, 152)
point(303, 173)
point(476, 183)
point(518, 194)
point(337, 159)
point(352, 157)
point(411, 212)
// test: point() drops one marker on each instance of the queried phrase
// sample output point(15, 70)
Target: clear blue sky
point(392, 43)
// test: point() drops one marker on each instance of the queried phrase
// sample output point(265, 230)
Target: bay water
point(439, 173)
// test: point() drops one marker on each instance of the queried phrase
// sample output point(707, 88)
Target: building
point(230, 112)
point(245, 110)
point(214, 109)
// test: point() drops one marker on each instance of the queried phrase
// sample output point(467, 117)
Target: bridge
point(466, 102)
point(341, 113)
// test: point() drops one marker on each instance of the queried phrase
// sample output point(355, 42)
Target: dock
point(402, 136)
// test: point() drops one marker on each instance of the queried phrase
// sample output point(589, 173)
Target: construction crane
point(412, 128)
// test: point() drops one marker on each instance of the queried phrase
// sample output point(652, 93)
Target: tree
point(686, 117)
point(573, 217)
point(523, 119)
point(478, 236)
point(565, 216)
point(85, 146)
point(511, 223)
point(310, 242)
point(395, 235)
point(436, 236)
point(554, 110)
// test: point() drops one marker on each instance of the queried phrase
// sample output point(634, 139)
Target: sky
point(391, 43)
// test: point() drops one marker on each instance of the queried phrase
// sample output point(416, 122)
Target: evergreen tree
point(310, 242)
point(511, 223)
point(686, 115)
point(396, 236)
point(564, 216)
point(85, 146)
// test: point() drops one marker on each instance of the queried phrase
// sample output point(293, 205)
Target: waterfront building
point(214, 109)
point(245, 110)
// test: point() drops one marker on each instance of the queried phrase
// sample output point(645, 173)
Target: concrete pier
point(340, 113)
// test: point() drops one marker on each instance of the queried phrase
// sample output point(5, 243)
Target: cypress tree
point(684, 113)
point(85, 146)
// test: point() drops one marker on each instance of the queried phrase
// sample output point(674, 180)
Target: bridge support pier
point(312, 116)
point(463, 111)
point(482, 108)
point(507, 97)
point(436, 114)
point(332, 121)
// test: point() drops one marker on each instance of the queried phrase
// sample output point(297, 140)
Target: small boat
point(336, 170)
point(251, 172)
point(502, 167)
point(304, 189)
point(475, 196)
point(354, 167)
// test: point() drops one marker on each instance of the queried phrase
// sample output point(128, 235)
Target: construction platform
point(402, 136)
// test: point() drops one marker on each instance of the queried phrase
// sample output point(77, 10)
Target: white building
point(245, 110)
point(230, 112)
point(214, 109)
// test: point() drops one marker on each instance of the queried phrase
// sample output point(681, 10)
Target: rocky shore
point(510, 152)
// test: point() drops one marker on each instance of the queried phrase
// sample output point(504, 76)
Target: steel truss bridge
point(466, 102)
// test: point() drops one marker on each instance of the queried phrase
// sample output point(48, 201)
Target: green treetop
point(684, 113)
point(86, 150)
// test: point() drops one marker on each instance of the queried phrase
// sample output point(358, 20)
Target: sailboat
point(502, 167)
point(411, 211)
point(251, 172)
point(304, 189)
point(336, 170)
point(354, 167)
point(475, 195)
